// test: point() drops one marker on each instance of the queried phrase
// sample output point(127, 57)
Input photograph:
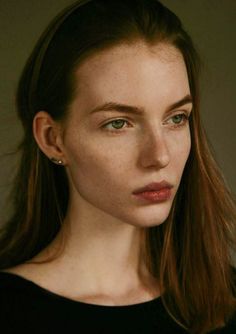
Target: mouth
point(154, 187)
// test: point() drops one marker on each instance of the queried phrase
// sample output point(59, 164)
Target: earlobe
point(57, 161)
point(47, 135)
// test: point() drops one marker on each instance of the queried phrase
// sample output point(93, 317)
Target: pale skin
point(104, 227)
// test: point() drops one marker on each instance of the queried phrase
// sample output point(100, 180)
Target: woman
point(122, 220)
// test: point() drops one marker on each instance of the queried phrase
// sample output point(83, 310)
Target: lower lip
point(155, 196)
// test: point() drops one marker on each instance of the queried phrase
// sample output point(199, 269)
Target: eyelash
point(185, 116)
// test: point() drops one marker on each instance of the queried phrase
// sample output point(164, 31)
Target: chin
point(145, 221)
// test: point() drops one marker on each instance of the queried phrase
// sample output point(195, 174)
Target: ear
point(48, 136)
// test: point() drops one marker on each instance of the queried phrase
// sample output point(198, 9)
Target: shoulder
point(10, 297)
point(11, 284)
point(23, 308)
point(16, 290)
point(21, 300)
point(8, 281)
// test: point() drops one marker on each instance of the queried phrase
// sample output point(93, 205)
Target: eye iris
point(180, 118)
point(119, 122)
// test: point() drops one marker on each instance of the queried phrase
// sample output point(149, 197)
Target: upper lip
point(154, 186)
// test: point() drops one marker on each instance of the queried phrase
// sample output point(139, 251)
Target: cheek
point(98, 176)
point(179, 146)
point(182, 148)
point(97, 166)
point(180, 152)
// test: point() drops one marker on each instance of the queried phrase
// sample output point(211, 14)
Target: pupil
point(179, 117)
point(118, 123)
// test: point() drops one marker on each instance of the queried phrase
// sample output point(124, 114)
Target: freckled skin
point(103, 260)
point(104, 168)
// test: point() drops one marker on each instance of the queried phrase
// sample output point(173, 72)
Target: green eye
point(116, 124)
point(181, 119)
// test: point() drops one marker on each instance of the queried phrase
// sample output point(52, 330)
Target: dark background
point(212, 25)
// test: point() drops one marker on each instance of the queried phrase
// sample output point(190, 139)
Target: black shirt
point(25, 307)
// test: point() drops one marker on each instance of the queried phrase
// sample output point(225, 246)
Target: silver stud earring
point(57, 161)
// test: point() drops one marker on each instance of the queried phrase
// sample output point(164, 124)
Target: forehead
point(130, 72)
point(126, 56)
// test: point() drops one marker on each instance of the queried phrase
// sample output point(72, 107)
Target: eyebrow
point(113, 106)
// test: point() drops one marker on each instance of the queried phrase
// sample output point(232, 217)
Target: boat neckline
point(38, 288)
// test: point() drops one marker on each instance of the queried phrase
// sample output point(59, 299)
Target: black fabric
point(26, 307)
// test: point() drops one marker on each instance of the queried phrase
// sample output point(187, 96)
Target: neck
point(99, 257)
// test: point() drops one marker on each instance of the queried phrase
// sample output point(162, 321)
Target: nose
point(154, 152)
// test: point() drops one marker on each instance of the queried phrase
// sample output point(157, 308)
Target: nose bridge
point(155, 149)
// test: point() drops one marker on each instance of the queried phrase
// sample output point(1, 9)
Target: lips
point(154, 186)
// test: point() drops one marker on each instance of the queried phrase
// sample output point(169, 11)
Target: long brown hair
point(190, 253)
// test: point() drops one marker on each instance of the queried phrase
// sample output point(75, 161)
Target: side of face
point(110, 154)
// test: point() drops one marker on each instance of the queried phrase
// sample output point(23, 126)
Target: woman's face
point(110, 154)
